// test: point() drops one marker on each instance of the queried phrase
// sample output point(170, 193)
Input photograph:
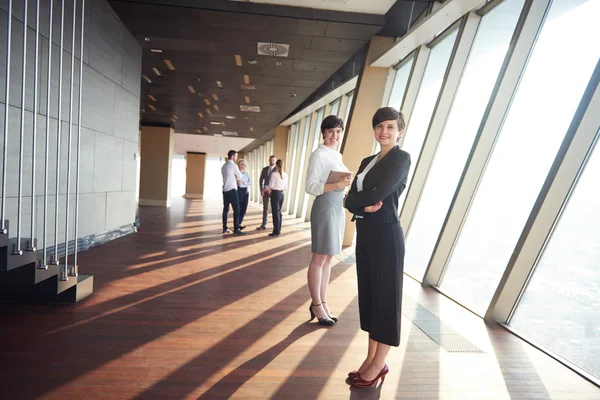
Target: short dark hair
point(272, 156)
point(230, 154)
point(389, 114)
point(330, 122)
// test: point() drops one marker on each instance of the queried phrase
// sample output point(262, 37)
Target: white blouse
point(322, 161)
point(276, 182)
point(360, 178)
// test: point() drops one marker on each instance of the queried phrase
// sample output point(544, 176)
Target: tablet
point(335, 176)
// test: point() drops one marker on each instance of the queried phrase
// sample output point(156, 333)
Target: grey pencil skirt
point(327, 223)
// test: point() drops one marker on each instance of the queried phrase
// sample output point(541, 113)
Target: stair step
point(50, 291)
point(83, 287)
point(10, 261)
point(29, 274)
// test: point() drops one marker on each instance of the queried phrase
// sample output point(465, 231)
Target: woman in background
point(277, 185)
point(326, 216)
point(243, 183)
point(373, 199)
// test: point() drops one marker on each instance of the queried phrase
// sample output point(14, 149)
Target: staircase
point(23, 278)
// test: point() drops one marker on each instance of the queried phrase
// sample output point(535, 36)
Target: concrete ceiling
point(358, 6)
point(199, 42)
point(211, 145)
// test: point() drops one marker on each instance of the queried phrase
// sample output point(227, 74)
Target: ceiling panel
point(202, 44)
point(359, 6)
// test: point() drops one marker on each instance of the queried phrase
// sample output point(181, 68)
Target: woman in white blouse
point(326, 216)
point(243, 185)
point(277, 184)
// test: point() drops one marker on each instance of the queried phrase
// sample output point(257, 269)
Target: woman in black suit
point(373, 199)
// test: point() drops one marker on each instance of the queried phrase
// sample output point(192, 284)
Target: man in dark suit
point(265, 175)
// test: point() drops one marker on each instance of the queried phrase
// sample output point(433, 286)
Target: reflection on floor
point(181, 311)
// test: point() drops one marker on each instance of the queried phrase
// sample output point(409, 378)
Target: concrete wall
point(110, 119)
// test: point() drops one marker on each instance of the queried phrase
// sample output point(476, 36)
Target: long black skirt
point(380, 268)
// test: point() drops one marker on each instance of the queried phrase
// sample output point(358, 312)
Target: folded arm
point(391, 179)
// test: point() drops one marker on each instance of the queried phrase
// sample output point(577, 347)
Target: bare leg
point(325, 274)
point(370, 356)
point(378, 361)
point(315, 271)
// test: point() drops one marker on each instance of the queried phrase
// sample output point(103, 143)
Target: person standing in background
point(277, 184)
point(263, 181)
point(243, 185)
point(231, 177)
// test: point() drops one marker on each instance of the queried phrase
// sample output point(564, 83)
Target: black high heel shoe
point(333, 317)
point(322, 321)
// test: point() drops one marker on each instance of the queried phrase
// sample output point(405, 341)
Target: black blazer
point(384, 182)
point(264, 177)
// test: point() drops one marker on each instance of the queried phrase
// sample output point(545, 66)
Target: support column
point(194, 175)
point(281, 143)
point(280, 149)
point(155, 166)
point(368, 98)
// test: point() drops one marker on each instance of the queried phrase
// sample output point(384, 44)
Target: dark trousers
point(231, 197)
point(276, 204)
point(266, 199)
point(243, 196)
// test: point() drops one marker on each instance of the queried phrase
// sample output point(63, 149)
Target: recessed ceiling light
point(191, 89)
point(152, 97)
point(247, 98)
point(208, 111)
point(198, 130)
point(156, 71)
point(150, 106)
point(218, 134)
point(146, 79)
point(250, 108)
point(170, 65)
point(229, 133)
point(219, 84)
point(216, 107)
point(251, 129)
point(246, 79)
point(230, 116)
point(238, 60)
point(207, 102)
point(147, 39)
point(175, 116)
point(279, 63)
point(156, 50)
point(200, 115)
point(215, 123)
point(215, 97)
point(248, 87)
point(252, 61)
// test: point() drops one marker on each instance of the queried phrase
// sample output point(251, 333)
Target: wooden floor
point(181, 311)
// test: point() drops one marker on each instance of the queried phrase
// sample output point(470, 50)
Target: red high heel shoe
point(360, 382)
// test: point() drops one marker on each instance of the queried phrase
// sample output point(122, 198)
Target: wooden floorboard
point(180, 311)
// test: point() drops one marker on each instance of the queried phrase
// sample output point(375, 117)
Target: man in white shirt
point(265, 175)
point(231, 175)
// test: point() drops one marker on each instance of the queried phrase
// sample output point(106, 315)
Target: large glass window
point(346, 116)
point(335, 107)
point(315, 144)
point(426, 100)
point(542, 109)
point(400, 84)
point(561, 306)
point(478, 80)
point(301, 163)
